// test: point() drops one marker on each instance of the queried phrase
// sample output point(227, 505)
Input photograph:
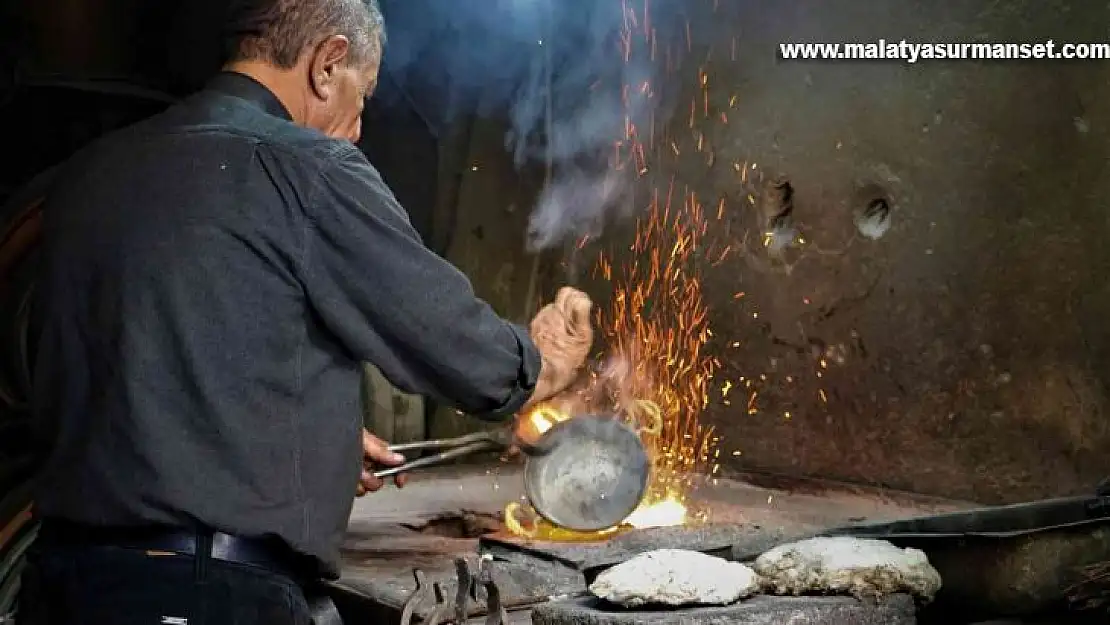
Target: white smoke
point(573, 206)
point(559, 71)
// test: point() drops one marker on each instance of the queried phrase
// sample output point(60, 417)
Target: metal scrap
point(429, 597)
point(496, 614)
point(463, 591)
point(424, 595)
point(469, 583)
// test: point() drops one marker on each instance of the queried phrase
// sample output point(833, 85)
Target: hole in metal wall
point(873, 217)
point(779, 205)
point(780, 232)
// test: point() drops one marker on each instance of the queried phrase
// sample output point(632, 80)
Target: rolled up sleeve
point(393, 302)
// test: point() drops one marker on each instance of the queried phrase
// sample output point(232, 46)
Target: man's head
point(320, 57)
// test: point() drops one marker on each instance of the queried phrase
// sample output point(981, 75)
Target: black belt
point(266, 554)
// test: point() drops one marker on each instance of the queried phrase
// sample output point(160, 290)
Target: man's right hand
point(376, 453)
point(564, 335)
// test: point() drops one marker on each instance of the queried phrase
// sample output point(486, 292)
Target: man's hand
point(563, 334)
point(375, 453)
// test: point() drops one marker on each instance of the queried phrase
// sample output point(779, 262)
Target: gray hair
point(280, 31)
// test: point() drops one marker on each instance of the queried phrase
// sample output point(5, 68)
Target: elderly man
point(212, 278)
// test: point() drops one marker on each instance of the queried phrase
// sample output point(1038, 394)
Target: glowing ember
point(661, 514)
point(540, 420)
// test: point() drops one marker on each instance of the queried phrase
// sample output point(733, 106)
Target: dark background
point(73, 70)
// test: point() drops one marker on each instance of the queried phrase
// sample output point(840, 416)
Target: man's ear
point(326, 59)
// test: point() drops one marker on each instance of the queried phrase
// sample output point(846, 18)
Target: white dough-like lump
point(864, 568)
point(675, 577)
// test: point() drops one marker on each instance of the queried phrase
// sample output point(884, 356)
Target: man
point(211, 279)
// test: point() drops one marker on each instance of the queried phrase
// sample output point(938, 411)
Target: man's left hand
point(563, 335)
point(375, 453)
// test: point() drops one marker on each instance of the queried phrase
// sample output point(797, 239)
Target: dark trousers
point(100, 585)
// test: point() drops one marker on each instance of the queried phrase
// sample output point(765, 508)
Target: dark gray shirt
point(212, 278)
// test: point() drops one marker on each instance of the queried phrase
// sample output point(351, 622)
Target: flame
point(661, 514)
point(541, 419)
point(655, 511)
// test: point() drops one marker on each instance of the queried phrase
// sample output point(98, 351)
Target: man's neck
point(278, 81)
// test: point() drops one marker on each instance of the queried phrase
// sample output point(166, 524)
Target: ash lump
point(864, 568)
point(675, 577)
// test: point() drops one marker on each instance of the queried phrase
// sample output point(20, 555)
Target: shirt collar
point(246, 88)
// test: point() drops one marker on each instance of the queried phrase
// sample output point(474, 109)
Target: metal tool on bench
point(430, 597)
point(586, 473)
point(425, 594)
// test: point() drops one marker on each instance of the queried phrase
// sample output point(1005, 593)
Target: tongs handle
point(459, 447)
point(455, 448)
point(499, 438)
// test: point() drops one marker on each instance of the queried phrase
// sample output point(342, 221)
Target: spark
point(656, 327)
point(658, 319)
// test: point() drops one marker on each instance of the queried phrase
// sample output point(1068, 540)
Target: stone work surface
point(526, 572)
point(895, 610)
point(714, 539)
point(388, 535)
point(523, 579)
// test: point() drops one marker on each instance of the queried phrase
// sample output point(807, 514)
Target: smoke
point(560, 74)
point(575, 204)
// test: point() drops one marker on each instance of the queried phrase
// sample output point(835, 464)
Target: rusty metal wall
point(965, 352)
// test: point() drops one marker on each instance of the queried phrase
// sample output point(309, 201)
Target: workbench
point(453, 512)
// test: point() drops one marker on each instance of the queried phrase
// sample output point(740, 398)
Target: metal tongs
point(460, 447)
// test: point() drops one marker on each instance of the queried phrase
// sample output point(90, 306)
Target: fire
point(662, 514)
point(656, 511)
point(656, 326)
